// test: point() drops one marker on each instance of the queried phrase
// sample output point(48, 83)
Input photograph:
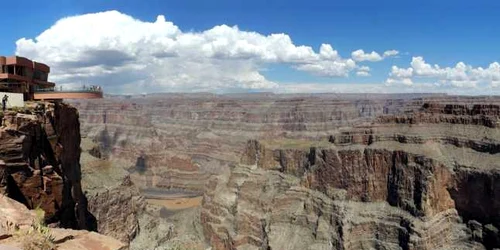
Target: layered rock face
point(398, 183)
point(180, 140)
point(262, 209)
point(40, 170)
point(39, 158)
point(112, 196)
point(319, 171)
point(123, 213)
point(118, 210)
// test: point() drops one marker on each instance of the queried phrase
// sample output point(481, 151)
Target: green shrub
point(37, 237)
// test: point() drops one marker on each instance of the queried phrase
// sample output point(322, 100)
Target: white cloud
point(125, 54)
point(400, 76)
point(389, 53)
point(331, 88)
point(403, 81)
point(459, 76)
point(364, 68)
point(329, 68)
point(363, 71)
point(327, 52)
point(359, 56)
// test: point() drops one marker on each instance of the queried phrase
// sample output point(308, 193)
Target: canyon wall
point(398, 183)
point(40, 154)
point(180, 140)
point(40, 170)
point(317, 171)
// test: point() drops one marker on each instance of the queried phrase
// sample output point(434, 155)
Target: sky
point(222, 46)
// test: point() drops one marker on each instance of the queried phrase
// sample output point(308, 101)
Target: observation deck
point(93, 92)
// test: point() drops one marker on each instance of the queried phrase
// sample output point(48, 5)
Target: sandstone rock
point(117, 210)
point(13, 213)
point(5, 247)
point(16, 219)
point(263, 208)
point(29, 145)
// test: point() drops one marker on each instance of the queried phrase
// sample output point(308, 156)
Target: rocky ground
point(306, 171)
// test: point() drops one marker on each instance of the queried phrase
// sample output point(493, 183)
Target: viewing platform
point(23, 80)
point(93, 92)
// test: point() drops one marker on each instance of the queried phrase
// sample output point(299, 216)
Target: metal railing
point(83, 89)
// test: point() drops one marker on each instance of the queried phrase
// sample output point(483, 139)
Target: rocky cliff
point(40, 166)
point(40, 157)
point(396, 184)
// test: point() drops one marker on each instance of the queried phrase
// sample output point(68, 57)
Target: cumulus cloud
point(390, 53)
point(459, 76)
point(360, 55)
point(363, 71)
point(125, 54)
point(400, 76)
point(329, 68)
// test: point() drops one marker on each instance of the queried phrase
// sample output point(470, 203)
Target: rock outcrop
point(113, 198)
point(118, 210)
point(40, 163)
point(252, 208)
point(20, 229)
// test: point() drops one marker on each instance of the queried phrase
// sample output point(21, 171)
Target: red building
point(21, 75)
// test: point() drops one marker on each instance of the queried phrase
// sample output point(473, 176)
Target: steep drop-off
point(40, 154)
point(40, 169)
point(384, 186)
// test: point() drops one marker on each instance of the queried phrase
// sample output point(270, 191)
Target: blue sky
point(440, 32)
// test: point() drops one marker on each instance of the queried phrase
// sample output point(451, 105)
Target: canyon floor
point(322, 171)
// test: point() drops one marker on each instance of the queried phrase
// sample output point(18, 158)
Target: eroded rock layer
point(179, 140)
point(40, 163)
point(253, 208)
point(318, 171)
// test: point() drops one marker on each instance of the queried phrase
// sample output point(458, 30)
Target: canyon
point(261, 171)
point(310, 171)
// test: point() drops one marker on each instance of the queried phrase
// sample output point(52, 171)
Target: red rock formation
point(262, 208)
point(41, 152)
point(390, 191)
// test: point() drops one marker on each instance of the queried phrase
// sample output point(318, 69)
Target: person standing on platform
point(5, 99)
